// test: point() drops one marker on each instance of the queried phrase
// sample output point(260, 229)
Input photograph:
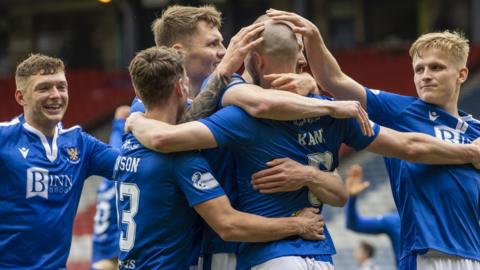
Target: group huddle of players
point(220, 170)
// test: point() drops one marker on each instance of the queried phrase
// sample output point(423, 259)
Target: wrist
point(474, 154)
point(224, 71)
point(299, 226)
point(311, 176)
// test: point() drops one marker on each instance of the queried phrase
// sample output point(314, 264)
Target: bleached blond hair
point(451, 42)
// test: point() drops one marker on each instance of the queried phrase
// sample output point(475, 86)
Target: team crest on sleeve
point(72, 154)
point(204, 181)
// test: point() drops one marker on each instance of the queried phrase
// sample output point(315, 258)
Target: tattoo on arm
point(206, 102)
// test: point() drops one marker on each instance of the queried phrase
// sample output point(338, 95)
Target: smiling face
point(44, 100)
point(438, 78)
point(204, 51)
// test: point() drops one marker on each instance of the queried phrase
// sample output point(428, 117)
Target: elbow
point(227, 232)
point(261, 109)
point(411, 150)
point(340, 200)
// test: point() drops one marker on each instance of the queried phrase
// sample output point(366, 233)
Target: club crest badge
point(72, 154)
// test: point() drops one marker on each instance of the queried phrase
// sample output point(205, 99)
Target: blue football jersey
point(223, 167)
point(155, 195)
point(105, 230)
point(439, 205)
point(254, 142)
point(42, 179)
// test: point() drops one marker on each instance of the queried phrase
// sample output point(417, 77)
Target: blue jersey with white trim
point(439, 205)
point(105, 230)
point(254, 142)
point(223, 167)
point(155, 196)
point(42, 180)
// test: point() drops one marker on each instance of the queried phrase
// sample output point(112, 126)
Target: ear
point(20, 98)
point(179, 89)
point(258, 61)
point(462, 76)
point(177, 46)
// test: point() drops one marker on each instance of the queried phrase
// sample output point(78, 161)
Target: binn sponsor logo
point(42, 183)
point(451, 135)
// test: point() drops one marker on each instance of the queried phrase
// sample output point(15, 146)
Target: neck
point(194, 88)
point(46, 129)
point(452, 109)
point(451, 106)
point(167, 113)
point(274, 68)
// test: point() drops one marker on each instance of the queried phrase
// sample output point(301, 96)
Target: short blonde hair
point(37, 64)
point(154, 72)
point(178, 23)
point(454, 43)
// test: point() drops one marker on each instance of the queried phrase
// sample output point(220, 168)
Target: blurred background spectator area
point(98, 38)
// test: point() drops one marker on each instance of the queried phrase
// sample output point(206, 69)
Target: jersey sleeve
point(117, 133)
point(234, 80)
point(137, 106)
point(354, 137)
point(232, 126)
point(383, 107)
point(193, 175)
point(357, 223)
point(101, 157)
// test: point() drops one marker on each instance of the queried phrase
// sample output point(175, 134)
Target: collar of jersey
point(50, 152)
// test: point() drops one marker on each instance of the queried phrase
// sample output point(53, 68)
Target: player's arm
point(323, 65)
point(240, 44)
point(285, 175)
point(283, 105)
point(356, 185)
point(233, 225)
point(422, 148)
point(165, 138)
point(355, 222)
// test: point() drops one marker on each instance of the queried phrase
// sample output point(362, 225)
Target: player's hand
point(283, 175)
point(132, 119)
point(477, 163)
point(298, 23)
point(122, 112)
point(352, 109)
point(312, 224)
point(354, 181)
point(240, 45)
point(302, 83)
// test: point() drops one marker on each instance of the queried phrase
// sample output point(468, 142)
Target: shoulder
point(10, 128)
point(10, 125)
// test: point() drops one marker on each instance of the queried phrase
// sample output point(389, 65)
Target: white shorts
point(219, 261)
point(293, 263)
point(434, 260)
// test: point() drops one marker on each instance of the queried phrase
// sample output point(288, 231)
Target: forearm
point(328, 187)
point(328, 73)
point(206, 102)
point(282, 105)
point(147, 131)
point(427, 149)
point(245, 227)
